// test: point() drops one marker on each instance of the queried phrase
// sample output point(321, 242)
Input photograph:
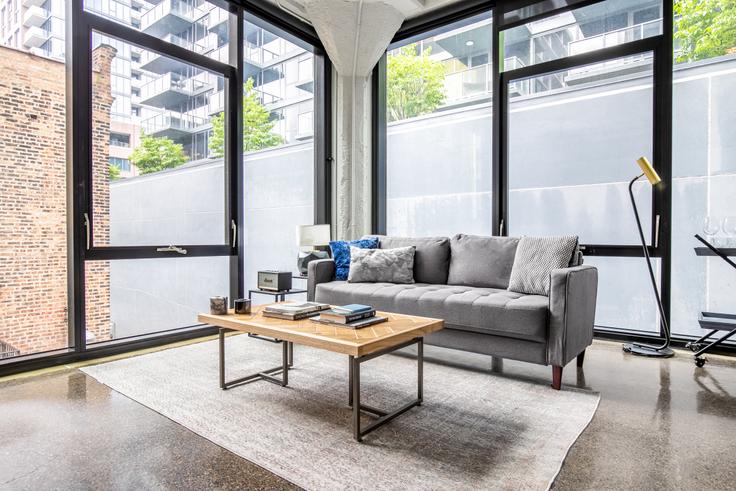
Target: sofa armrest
point(572, 298)
point(319, 271)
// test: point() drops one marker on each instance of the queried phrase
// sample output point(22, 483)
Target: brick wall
point(33, 279)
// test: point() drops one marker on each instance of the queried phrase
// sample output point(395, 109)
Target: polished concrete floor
point(661, 424)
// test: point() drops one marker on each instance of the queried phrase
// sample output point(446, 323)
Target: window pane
point(590, 28)
point(439, 133)
point(132, 297)
point(279, 159)
point(573, 150)
point(534, 9)
point(625, 296)
point(33, 272)
point(192, 24)
point(279, 88)
point(703, 162)
point(167, 186)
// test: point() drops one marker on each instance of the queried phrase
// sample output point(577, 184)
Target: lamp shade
point(312, 235)
point(649, 171)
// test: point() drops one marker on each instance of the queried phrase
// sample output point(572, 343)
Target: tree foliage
point(704, 28)
point(156, 154)
point(257, 125)
point(415, 83)
point(113, 172)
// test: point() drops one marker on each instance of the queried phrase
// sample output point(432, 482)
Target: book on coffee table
point(351, 325)
point(294, 310)
point(338, 317)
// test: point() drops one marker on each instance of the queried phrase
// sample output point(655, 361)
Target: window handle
point(86, 228)
point(171, 248)
point(234, 228)
point(656, 231)
point(500, 228)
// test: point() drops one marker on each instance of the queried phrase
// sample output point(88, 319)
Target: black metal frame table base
point(267, 375)
point(383, 416)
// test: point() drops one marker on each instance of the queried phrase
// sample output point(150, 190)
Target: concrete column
point(353, 144)
point(355, 34)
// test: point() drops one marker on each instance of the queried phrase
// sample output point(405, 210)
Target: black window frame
point(78, 71)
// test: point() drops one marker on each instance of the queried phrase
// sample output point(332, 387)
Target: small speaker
point(274, 281)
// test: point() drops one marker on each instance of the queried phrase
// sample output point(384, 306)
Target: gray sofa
point(463, 280)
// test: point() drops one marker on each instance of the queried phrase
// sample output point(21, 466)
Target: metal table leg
point(354, 390)
point(267, 375)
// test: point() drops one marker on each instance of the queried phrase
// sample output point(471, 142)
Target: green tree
point(257, 125)
point(114, 172)
point(156, 154)
point(704, 28)
point(415, 83)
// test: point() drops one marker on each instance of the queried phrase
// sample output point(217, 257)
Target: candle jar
point(242, 306)
point(218, 305)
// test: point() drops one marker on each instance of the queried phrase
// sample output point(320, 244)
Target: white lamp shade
point(312, 235)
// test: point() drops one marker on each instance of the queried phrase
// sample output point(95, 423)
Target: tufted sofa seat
point(483, 310)
point(464, 280)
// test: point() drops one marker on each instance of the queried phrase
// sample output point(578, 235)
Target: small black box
point(275, 281)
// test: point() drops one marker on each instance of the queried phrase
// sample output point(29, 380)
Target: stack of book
point(353, 316)
point(294, 311)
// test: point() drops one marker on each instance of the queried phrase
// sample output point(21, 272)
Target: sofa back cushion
point(431, 259)
point(481, 261)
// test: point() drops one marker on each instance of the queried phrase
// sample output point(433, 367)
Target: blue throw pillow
point(341, 254)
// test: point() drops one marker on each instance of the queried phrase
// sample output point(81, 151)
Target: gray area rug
point(473, 431)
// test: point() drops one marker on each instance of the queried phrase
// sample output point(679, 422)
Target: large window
point(165, 188)
point(33, 248)
point(571, 153)
point(278, 178)
point(704, 160)
point(438, 166)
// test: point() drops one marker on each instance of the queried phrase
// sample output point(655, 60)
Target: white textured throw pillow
point(535, 259)
point(382, 265)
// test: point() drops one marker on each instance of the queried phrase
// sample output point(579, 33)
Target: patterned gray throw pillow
point(535, 259)
point(382, 265)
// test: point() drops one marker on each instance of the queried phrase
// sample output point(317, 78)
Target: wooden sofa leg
point(556, 377)
point(581, 358)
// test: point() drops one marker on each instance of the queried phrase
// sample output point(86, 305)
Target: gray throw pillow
point(535, 259)
point(382, 265)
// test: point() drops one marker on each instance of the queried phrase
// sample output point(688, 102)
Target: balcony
point(172, 91)
point(170, 16)
point(34, 37)
point(156, 63)
point(35, 16)
point(173, 125)
point(476, 82)
point(33, 3)
point(217, 21)
point(615, 38)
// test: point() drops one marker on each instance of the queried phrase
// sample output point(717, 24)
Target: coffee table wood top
point(356, 342)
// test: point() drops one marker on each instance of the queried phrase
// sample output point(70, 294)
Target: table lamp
point(664, 350)
point(312, 241)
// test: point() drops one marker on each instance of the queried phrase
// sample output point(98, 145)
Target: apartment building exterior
point(162, 97)
point(466, 51)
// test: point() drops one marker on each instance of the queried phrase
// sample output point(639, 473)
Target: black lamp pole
point(663, 351)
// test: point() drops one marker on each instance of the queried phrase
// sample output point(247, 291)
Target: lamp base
point(305, 257)
point(646, 350)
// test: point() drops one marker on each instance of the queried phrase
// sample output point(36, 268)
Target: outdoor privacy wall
point(151, 295)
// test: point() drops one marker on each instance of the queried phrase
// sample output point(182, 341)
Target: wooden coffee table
point(360, 345)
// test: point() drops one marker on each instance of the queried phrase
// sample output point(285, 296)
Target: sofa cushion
point(373, 265)
point(341, 254)
point(536, 257)
point(481, 261)
point(432, 257)
point(484, 310)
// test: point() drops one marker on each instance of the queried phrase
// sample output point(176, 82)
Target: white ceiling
point(411, 8)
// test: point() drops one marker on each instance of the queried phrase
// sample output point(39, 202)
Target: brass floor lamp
point(663, 351)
